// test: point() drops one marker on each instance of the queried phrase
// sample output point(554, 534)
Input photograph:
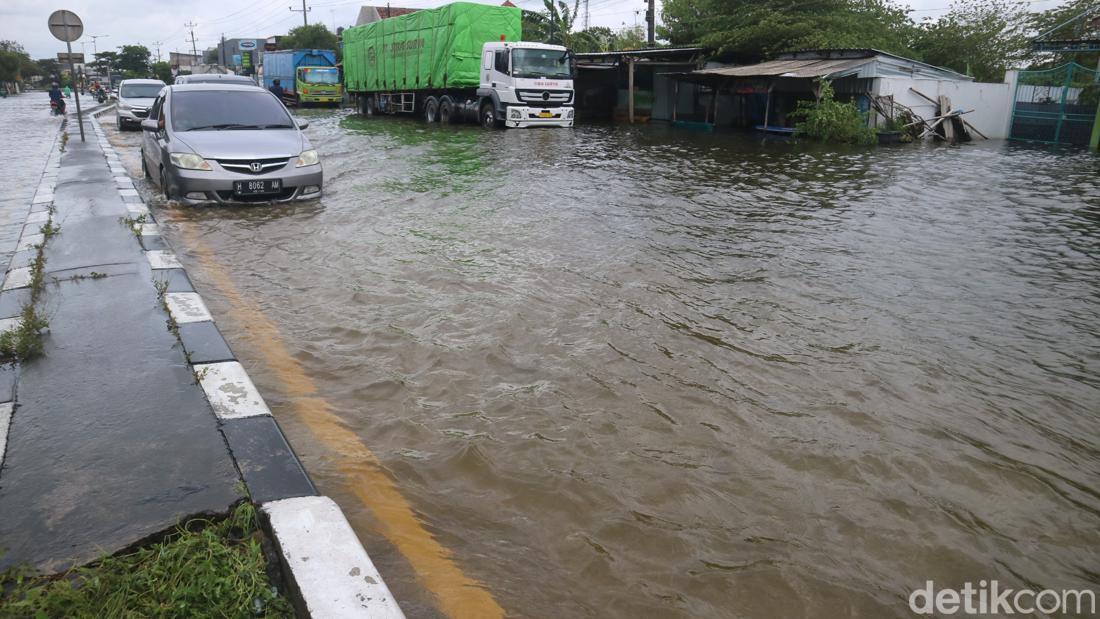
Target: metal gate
point(1056, 105)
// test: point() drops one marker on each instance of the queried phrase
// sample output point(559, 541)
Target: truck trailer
point(306, 75)
point(459, 62)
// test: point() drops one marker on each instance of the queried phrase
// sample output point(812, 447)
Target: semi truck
point(461, 62)
point(306, 75)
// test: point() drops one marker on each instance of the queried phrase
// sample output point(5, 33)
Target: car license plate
point(257, 187)
point(545, 114)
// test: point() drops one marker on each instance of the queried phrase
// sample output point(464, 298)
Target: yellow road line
point(458, 595)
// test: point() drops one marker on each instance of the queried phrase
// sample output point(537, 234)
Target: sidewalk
point(136, 418)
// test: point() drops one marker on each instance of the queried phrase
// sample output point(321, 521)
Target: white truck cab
point(529, 84)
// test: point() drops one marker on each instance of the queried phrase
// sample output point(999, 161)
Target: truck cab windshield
point(541, 63)
point(319, 76)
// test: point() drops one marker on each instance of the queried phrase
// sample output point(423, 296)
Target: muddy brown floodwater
point(642, 372)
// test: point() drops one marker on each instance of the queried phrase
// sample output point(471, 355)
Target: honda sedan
point(227, 143)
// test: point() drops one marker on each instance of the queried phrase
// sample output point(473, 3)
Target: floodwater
point(623, 372)
point(27, 134)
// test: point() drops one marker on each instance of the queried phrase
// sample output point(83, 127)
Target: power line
point(191, 26)
point(303, 11)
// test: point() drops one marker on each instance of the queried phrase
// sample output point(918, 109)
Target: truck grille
point(545, 97)
point(245, 166)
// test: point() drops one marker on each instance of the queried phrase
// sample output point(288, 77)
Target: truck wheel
point(446, 110)
point(488, 115)
point(431, 110)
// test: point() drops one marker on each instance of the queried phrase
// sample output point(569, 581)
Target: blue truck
point(306, 75)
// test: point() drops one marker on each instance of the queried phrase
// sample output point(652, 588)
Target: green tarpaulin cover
point(431, 48)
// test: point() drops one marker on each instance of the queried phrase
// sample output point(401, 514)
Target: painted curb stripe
point(186, 307)
point(323, 556)
point(5, 423)
point(230, 391)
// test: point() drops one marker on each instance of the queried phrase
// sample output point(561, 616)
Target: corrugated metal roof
point(808, 68)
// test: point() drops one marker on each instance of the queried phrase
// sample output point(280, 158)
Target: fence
point(1056, 105)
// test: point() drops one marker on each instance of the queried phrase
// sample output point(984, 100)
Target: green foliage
point(134, 59)
point(981, 38)
point(204, 569)
point(15, 64)
point(22, 342)
point(829, 120)
point(313, 36)
point(752, 29)
point(163, 72)
point(1045, 21)
point(554, 24)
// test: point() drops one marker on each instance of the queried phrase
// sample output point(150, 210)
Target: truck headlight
point(569, 114)
point(188, 161)
point(307, 158)
point(514, 113)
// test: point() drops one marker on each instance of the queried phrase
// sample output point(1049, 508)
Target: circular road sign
point(65, 25)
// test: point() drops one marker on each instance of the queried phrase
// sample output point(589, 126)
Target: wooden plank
point(948, 127)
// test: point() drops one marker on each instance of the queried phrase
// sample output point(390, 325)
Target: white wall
point(992, 103)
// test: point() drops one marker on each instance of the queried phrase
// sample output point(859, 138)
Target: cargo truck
point(459, 62)
point(306, 75)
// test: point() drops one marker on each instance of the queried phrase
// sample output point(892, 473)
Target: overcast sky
point(146, 22)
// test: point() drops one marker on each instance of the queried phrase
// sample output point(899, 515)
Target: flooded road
point(624, 372)
point(29, 132)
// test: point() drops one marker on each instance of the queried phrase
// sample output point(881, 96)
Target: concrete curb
point(341, 580)
point(17, 278)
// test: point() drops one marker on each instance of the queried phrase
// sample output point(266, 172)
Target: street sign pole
point(66, 26)
point(76, 89)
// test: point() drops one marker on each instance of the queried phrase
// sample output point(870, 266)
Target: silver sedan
point(227, 143)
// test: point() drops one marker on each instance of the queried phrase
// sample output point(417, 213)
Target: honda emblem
point(256, 167)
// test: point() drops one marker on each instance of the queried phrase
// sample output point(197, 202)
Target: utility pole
point(221, 52)
point(95, 52)
point(651, 19)
point(303, 11)
point(586, 14)
point(194, 51)
point(157, 45)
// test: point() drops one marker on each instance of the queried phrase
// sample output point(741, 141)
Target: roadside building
point(763, 95)
point(633, 85)
point(183, 63)
point(240, 54)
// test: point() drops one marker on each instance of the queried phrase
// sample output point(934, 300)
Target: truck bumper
point(519, 116)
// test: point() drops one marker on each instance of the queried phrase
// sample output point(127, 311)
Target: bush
point(830, 120)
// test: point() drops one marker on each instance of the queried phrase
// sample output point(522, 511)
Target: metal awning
point(804, 69)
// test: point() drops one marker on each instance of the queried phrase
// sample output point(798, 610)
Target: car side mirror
point(302, 123)
point(149, 125)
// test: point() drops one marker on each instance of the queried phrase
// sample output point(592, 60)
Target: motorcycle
point(101, 96)
point(57, 108)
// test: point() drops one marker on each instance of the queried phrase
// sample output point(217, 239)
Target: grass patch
point(134, 224)
point(23, 342)
point(203, 569)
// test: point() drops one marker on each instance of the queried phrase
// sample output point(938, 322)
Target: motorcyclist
point(57, 98)
point(277, 89)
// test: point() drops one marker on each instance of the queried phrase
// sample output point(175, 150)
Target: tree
point(753, 29)
point(134, 59)
point(1062, 19)
point(313, 36)
point(106, 62)
point(163, 71)
point(552, 25)
point(981, 38)
point(15, 63)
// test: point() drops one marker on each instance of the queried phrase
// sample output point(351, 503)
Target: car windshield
point(547, 63)
point(140, 91)
point(217, 110)
point(320, 76)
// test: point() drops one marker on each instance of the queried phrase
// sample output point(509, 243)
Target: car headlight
point(122, 105)
point(188, 161)
point(307, 158)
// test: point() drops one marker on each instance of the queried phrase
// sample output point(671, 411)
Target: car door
point(154, 143)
